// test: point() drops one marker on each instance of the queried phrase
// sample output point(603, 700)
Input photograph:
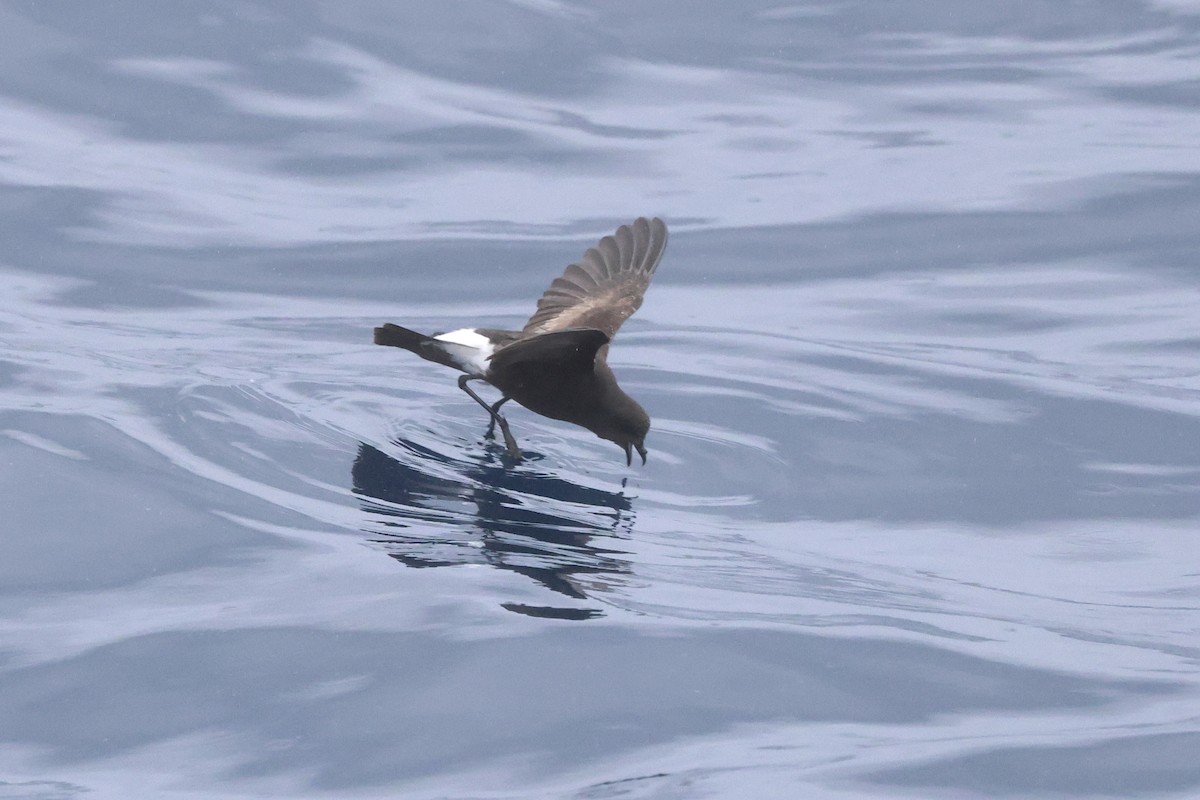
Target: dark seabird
point(557, 364)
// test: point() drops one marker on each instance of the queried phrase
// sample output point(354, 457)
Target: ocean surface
point(921, 517)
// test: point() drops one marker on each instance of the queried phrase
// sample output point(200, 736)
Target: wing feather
point(606, 286)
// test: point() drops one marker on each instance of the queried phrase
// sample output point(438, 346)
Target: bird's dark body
point(557, 364)
point(567, 395)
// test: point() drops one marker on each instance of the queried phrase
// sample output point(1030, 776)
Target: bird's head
point(627, 426)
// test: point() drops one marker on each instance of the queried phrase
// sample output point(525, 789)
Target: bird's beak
point(642, 452)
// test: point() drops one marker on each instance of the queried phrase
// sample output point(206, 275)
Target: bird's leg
point(491, 428)
point(497, 417)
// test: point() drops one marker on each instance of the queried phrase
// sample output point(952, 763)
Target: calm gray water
point(923, 357)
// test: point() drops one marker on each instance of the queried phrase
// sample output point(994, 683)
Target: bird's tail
point(395, 336)
point(426, 347)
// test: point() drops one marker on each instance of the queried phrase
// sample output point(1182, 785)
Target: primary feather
point(607, 285)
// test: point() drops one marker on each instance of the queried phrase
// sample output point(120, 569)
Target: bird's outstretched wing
point(606, 286)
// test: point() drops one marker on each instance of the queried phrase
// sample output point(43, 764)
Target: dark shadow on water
point(428, 511)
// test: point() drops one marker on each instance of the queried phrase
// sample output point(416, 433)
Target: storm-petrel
point(557, 364)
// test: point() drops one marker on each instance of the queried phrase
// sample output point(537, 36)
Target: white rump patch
point(468, 336)
point(469, 349)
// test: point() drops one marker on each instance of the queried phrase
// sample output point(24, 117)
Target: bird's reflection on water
point(428, 511)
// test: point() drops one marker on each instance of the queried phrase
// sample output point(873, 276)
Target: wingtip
point(650, 223)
